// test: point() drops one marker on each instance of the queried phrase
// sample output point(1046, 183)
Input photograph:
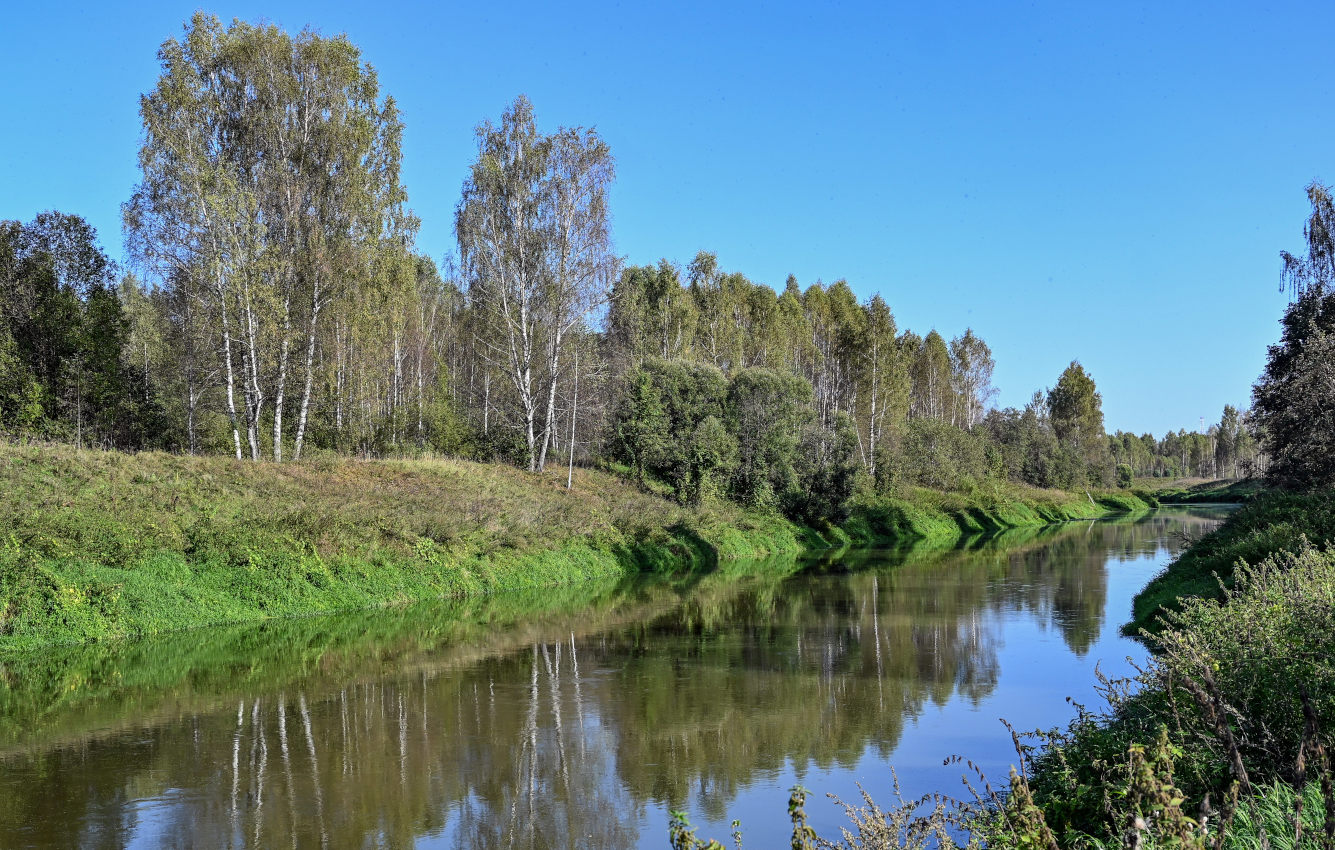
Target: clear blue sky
point(1105, 182)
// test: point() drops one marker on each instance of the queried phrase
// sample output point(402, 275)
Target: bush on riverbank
point(1239, 687)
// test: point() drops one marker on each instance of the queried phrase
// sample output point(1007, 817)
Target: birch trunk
point(550, 421)
point(250, 356)
point(574, 412)
point(281, 390)
point(310, 374)
point(228, 368)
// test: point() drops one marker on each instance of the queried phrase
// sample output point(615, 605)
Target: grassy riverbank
point(104, 545)
point(922, 514)
point(1234, 706)
point(1272, 522)
point(97, 545)
point(1209, 492)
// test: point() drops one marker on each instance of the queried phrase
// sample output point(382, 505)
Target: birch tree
point(534, 240)
point(271, 179)
point(884, 375)
point(971, 366)
point(582, 266)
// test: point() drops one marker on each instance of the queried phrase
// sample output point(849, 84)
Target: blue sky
point(1107, 182)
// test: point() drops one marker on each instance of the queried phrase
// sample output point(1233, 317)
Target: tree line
point(281, 306)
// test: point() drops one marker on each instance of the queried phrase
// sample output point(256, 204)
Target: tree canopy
point(280, 305)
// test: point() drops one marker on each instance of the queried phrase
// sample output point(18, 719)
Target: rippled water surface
point(578, 717)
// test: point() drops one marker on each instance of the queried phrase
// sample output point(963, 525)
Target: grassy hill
point(97, 545)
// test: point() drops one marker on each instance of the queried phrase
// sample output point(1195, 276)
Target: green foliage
point(939, 455)
point(658, 416)
point(827, 468)
point(713, 457)
point(448, 431)
point(1076, 409)
point(1295, 396)
point(650, 315)
point(753, 438)
point(20, 394)
point(1271, 522)
point(767, 411)
point(1125, 477)
point(63, 338)
point(682, 837)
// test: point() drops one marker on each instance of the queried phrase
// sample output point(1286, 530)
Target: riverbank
point(922, 514)
point(1210, 492)
point(1235, 703)
point(1270, 523)
point(105, 545)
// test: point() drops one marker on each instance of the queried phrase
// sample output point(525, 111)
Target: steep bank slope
point(100, 545)
point(932, 515)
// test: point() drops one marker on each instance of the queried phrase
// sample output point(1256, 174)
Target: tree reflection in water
point(556, 719)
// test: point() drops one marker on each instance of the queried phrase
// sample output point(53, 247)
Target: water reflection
point(572, 718)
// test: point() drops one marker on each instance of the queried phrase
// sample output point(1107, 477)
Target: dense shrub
point(1227, 686)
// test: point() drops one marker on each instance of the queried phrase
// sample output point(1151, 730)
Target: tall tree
point(1226, 442)
point(63, 338)
point(885, 377)
point(534, 238)
point(1316, 270)
point(971, 366)
point(1294, 399)
point(930, 368)
point(582, 265)
point(270, 186)
point(1076, 409)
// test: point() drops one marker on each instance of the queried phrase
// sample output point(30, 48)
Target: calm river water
point(578, 717)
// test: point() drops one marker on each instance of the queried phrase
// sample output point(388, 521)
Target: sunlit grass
point(103, 545)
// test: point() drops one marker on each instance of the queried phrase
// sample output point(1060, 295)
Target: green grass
point(1273, 521)
point(97, 545)
point(1209, 492)
point(1263, 820)
point(104, 545)
point(932, 515)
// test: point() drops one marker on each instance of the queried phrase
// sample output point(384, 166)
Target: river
point(580, 716)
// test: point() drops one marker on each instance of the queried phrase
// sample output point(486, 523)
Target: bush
point(1124, 476)
point(1234, 685)
point(939, 455)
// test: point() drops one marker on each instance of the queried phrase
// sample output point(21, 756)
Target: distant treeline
point(280, 305)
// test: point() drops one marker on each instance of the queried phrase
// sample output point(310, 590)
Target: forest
point(277, 306)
